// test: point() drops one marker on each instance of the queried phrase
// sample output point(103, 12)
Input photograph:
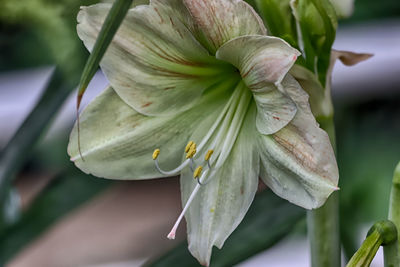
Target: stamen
point(208, 155)
point(200, 182)
point(192, 151)
point(191, 164)
point(197, 172)
point(188, 146)
point(189, 155)
point(156, 153)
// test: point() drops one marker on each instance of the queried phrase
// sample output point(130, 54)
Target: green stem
point(390, 255)
point(323, 223)
point(367, 251)
point(383, 233)
point(394, 207)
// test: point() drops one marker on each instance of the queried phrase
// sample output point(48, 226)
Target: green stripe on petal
point(221, 204)
point(298, 162)
point(117, 142)
point(153, 63)
point(263, 62)
point(218, 21)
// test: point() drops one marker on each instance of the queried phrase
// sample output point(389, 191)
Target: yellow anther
point(188, 146)
point(156, 153)
point(197, 172)
point(191, 152)
point(208, 155)
point(193, 146)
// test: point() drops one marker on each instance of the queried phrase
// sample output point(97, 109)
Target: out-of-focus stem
point(323, 223)
point(394, 206)
point(390, 255)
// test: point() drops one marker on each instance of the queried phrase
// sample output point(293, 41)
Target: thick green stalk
point(394, 205)
point(323, 223)
point(390, 255)
point(366, 253)
point(383, 233)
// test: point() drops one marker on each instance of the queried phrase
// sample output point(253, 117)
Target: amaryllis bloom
point(201, 84)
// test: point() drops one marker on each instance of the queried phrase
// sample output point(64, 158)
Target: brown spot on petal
point(158, 13)
point(244, 75)
point(276, 118)
point(147, 104)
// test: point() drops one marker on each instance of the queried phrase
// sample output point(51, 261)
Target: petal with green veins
point(298, 162)
point(263, 62)
point(117, 142)
point(218, 21)
point(154, 63)
point(221, 204)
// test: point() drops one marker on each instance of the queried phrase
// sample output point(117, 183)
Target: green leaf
point(109, 28)
point(268, 220)
point(13, 155)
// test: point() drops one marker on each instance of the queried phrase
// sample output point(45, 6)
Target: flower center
point(215, 146)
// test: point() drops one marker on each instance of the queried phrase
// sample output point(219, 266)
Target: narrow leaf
point(13, 155)
point(109, 28)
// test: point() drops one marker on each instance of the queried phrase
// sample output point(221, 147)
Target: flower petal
point(153, 63)
point(218, 21)
point(298, 161)
point(274, 111)
point(263, 62)
point(117, 142)
point(221, 204)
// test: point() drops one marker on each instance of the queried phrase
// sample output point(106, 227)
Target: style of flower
point(201, 84)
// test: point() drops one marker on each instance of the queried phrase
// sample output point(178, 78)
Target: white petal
point(263, 62)
point(221, 204)
point(218, 21)
point(298, 161)
point(154, 63)
point(117, 142)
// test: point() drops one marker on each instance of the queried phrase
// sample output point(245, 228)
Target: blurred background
point(54, 215)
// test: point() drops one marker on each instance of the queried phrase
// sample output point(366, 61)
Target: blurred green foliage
point(372, 9)
point(38, 32)
point(368, 150)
